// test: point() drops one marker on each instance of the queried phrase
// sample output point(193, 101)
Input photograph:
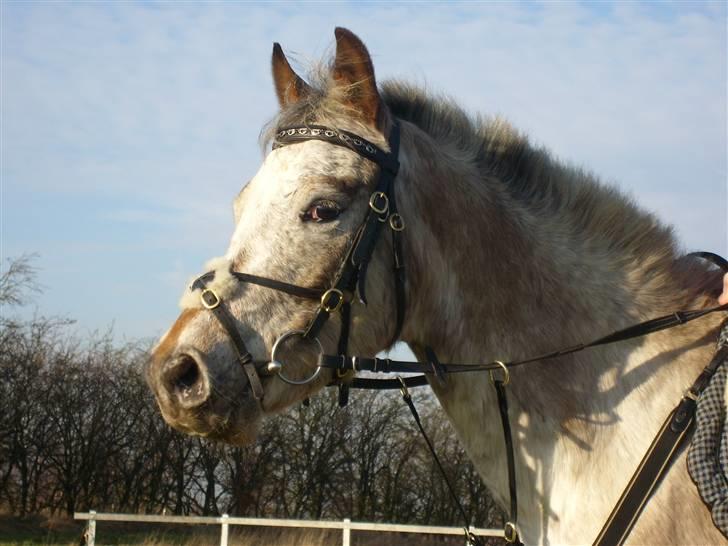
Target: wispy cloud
point(128, 127)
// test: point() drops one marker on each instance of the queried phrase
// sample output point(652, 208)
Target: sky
point(128, 127)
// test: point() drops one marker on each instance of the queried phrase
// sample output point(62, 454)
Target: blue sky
point(127, 128)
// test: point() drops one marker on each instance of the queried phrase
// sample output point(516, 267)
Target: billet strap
point(657, 460)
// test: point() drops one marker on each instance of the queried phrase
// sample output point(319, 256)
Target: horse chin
point(239, 435)
point(238, 425)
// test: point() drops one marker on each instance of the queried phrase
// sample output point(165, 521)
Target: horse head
point(296, 223)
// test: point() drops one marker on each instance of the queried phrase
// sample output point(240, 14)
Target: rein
point(350, 279)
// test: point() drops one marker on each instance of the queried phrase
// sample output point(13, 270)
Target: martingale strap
point(471, 538)
point(386, 365)
point(510, 529)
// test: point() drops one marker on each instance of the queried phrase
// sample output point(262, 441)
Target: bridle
point(350, 279)
point(351, 274)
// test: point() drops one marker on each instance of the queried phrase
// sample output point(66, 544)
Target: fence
point(346, 526)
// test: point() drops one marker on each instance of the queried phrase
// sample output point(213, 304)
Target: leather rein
point(350, 280)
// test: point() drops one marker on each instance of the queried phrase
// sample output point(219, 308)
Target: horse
point(508, 252)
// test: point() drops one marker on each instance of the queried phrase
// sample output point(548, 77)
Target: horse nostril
point(184, 378)
point(188, 372)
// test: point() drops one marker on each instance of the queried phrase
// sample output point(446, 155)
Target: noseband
point(351, 274)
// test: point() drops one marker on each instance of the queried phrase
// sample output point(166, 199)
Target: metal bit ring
point(275, 366)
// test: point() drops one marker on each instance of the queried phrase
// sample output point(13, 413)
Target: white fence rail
point(346, 526)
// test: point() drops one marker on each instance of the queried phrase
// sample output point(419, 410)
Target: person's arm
point(723, 299)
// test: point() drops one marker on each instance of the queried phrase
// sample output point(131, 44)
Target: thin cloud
point(147, 115)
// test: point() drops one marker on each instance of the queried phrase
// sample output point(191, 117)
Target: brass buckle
point(396, 222)
point(403, 386)
point(377, 196)
point(506, 373)
point(341, 373)
point(691, 395)
point(510, 533)
point(213, 304)
point(324, 300)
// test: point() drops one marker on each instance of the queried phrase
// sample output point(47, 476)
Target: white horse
point(508, 253)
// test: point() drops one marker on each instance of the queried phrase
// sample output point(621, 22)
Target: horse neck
point(492, 278)
point(523, 277)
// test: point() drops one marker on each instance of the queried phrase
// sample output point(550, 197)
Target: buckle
point(341, 373)
point(510, 533)
point(403, 387)
point(396, 222)
point(374, 200)
point(212, 303)
point(506, 379)
point(326, 304)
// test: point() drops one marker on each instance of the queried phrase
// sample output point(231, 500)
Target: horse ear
point(353, 72)
point(290, 88)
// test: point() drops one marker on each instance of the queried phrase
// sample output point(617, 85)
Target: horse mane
point(605, 217)
point(529, 174)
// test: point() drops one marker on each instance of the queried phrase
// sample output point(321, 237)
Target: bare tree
point(19, 281)
point(79, 430)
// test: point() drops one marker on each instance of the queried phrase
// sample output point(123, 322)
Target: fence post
point(224, 530)
point(91, 529)
point(347, 532)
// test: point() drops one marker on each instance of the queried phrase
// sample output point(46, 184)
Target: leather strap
point(407, 397)
point(386, 365)
point(226, 319)
point(397, 225)
point(387, 384)
point(511, 529)
point(353, 269)
point(339, 137)
point(655, 463)
point(202, 281)
point(713, 258)
point(344, 349)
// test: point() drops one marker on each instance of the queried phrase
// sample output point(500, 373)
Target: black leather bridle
point(350, 279)
point(351, 275)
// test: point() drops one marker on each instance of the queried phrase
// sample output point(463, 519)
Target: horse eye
point(321, 211)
